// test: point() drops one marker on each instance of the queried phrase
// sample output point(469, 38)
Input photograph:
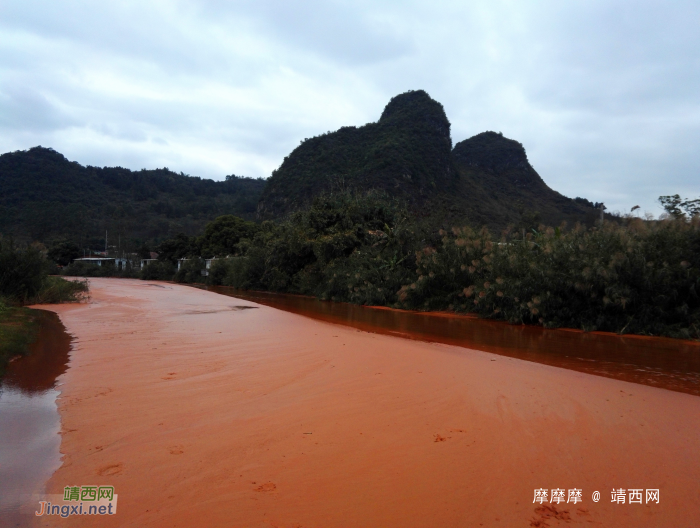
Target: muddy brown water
point(656, 361)
point(29, 420)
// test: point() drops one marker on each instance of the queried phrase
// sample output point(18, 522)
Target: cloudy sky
point(603, 94)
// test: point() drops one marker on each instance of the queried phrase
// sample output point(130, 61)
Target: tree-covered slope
point(407, 153)
point(484, 180)
point(45, 197)
point(497, 186)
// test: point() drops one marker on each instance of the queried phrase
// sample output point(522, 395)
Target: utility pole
point(105, 242)
point(602, 216)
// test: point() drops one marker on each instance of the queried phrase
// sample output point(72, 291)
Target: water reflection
point(660, 362)
point(29, 419)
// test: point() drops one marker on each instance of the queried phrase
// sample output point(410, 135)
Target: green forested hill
point(45, 197)
point(406, 153)
point(484, 180)
point(498, 186)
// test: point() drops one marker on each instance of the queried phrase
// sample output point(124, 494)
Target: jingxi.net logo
point(80, 500)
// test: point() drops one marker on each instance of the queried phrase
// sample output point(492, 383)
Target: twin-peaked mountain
point(406, 153)
point(485, 180)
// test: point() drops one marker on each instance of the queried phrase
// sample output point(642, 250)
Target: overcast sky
point(603, 95)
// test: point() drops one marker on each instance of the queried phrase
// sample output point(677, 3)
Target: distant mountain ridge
point(484, 180)
point(408, 153)
point(44, 197)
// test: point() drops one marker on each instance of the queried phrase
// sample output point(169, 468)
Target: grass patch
point(58, 290)
point(18, 329)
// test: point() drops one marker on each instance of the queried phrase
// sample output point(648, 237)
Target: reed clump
point(630, 277)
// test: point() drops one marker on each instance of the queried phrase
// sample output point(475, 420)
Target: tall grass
point(58, 290)
point(639, 277)
point(17, 330)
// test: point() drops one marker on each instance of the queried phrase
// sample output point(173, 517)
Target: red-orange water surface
point(207, 410)
point(656, 361)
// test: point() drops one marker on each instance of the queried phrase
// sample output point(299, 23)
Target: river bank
point(203, 410)
point(18, 329)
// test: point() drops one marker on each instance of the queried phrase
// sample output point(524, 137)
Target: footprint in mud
point(171, 375)
point(546, 512)
point(111, 470)
point(176, 450)
point(268, 486)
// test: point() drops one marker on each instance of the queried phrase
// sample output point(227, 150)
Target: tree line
point(630, 275)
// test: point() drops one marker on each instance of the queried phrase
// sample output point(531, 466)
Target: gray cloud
point(602, 94)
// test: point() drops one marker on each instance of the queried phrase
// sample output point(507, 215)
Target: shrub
point(640, 277)
point(63, 252)
point(22, 271)
point(191, 271)
point(57, 290)
point(18, 329)
point(344, 247)
point(158, 270)
point(236, 272)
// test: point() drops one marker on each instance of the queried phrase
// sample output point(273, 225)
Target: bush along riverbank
point(18, 329)
point(25, 279)
point(638, 277)
point(627, 276)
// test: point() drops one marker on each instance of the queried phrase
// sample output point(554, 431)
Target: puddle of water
point(29, 419)
point(656, 361)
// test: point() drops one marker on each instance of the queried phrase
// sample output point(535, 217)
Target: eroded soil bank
point(203, 410)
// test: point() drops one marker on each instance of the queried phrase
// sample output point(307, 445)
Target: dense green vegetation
point(344, 247)
point(46, 198)
point(638, 277)
point(628, 276)
point(498, 187)
point(24, 279)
